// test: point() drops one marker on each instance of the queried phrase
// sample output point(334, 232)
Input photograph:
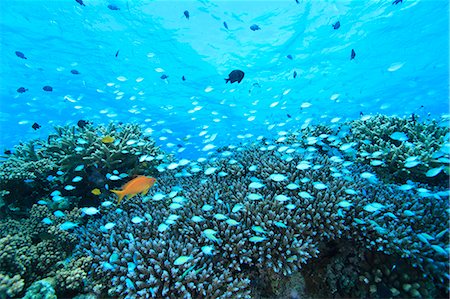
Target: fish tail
point(120, 194)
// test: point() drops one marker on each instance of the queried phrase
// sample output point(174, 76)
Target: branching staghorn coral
point(399, 149)
point(256, 211)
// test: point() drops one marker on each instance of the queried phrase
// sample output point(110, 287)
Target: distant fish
point(289, 57)
point(183, 78)
point(22, 89)
point(225, 25)
point(36, 126)
point(186, 14)
point(83, 123)
point(235, 76)
point(141, 184)
point(47, 88)
point(96, 191)
point(296, 1)
point(288, 115)
point(352, 56)
point(75, 72)
point(295, 74)
point(117, 53)
point(255, 27)
point(113, 7)
point(7, 152)
point(20, 55)
point(68, 225)
point(397, 2)
point(164, 77)
point(80, 2)
point(336, 25)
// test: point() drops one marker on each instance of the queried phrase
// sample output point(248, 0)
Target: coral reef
point(43, 288)
point(306, 215)
point(31, 249)
point(74, 161)
point(10, 286)
point(260, 211)
point(399, 149)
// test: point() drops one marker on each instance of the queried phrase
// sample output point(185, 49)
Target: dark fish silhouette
point(22, 89)
point(255, 27)
point(290, 57)
point(336, 25)
point(80, 2)
point(186, 14)
point(183, 78)
point(117, 53)
point(352, 56)
point(225, 25)
point(295, 74)
point(83, 123)
point(36, 126)
point(397, 2)
point(297, 1)
point(235, 76)
point(113, 7)
point(20, 55)
point(164, 76)
point(75, 72)
point(47, 88)
point(288, 115)
point(7, 152)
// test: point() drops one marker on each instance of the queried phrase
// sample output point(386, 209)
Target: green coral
point(10, 286)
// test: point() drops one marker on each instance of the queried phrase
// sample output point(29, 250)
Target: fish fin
point(227, 80)
point(145, 191)
point(120, 194)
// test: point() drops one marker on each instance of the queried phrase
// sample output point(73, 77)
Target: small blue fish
point(113, 7)
point(336, 25)
point(68, 225)
point(20, 55)
point(255, 27)
point(59, 214)
point(47, 220)
point(225, 25)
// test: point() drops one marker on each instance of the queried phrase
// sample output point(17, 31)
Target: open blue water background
point(401, 64)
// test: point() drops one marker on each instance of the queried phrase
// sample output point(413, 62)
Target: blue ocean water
point(323, 173)
point(401, 66)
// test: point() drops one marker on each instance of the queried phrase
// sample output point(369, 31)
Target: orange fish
point(141, 184)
